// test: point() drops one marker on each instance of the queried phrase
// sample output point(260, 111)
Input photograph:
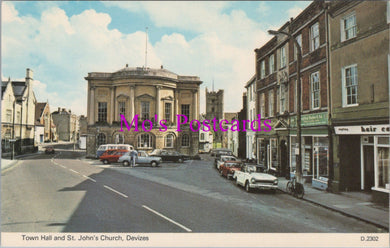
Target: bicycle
point(295, 188)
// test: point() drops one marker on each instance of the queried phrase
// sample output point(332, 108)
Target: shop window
point(383, 167)
point(262, 152)
point(273, 154)
point(320, 158)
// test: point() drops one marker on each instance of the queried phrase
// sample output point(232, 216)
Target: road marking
point(113, 190)
point(168, 219)
point(74, 171)
point(89, 178)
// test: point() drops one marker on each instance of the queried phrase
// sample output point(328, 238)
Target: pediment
point(281, 125)
point(167, 98)
point(145, 96)
point(123, 96)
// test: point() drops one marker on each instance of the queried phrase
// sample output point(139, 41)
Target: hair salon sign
point(363, 129)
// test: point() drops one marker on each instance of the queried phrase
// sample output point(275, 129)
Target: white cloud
point(263, 8)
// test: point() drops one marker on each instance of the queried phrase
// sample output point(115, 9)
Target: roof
point(39, 107)
point(230, 116)
point(251, 81)
point(19, 87)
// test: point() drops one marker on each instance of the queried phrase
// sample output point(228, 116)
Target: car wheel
point(126, 163)
point(105, 161)
point(247, 188)
point(154, 163)
point(180, 160)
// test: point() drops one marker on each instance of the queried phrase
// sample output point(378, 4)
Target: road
point(65, 193)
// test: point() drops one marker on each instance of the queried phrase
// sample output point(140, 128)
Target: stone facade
point(18, 115)
point(66, 125)
point(152, 95)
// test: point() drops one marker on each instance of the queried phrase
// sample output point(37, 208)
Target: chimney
point(162, 67)
point(29, 74)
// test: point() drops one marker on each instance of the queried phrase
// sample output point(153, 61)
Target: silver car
point(143, 158)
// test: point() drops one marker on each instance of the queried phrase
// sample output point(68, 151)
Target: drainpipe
point(329, 95)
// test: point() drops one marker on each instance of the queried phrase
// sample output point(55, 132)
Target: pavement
point(353, 204)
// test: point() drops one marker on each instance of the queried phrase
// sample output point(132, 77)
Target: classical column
point(194, 104)
point(158, 100)
point(176, 103)
point(92, 106)
point(132, 102)
point(112, 109)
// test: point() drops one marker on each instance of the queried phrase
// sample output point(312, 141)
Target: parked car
point(228, 168)
point(252, 177)
point(220, 151)
point(105, 147)
point(112, 155)
point(222, 158)
point(169, 155)
point(143, 158)
point(49, 150)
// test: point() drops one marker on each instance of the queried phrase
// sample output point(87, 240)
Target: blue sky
point(63, 41)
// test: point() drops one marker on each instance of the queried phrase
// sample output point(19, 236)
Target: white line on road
point(168, 219)
point(74, 171)
point(89, 178)
point(113, 190)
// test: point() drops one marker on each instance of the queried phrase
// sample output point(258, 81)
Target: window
point(315, 90)
point(348, 27)
point(169, 141)
point(315, 36)
point(383, 167)
point(202, 136)
point(250, 93)
point(262, 69)
point(262, 105)
point(145, 140)
point(122, 108)
point(283, 98)
point(185, 140)
point(185, 110)
point(18, 116)
point(271, 103)
point(168, 110)
point(119, 139)
point(350, 85)
point(102, 111)
point(299, 41)
point(271, 64)
point(145, 108)
point(9, 115)
point(282, 57)
point(101, 139)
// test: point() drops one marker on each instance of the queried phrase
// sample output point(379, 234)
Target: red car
point(227, 168)
point(112, 155)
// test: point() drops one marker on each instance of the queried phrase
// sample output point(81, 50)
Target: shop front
point(315, 149)
point(369, 154)
point(267, 149)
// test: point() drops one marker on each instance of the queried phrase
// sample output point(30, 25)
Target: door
point(368, 160)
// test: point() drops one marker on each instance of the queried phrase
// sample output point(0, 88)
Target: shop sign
point(363, 129)
point(311, 120)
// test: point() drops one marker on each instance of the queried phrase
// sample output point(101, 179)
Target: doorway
point(368, 166)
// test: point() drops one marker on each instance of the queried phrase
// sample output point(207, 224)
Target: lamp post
point(298, 173)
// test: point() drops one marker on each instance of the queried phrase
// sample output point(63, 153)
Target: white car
point(223, 159)
point(143, 158)
point(251, 177)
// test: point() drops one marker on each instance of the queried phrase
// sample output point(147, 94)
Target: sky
point(63, 41)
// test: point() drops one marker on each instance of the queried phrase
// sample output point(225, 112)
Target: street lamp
point(298, 173)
